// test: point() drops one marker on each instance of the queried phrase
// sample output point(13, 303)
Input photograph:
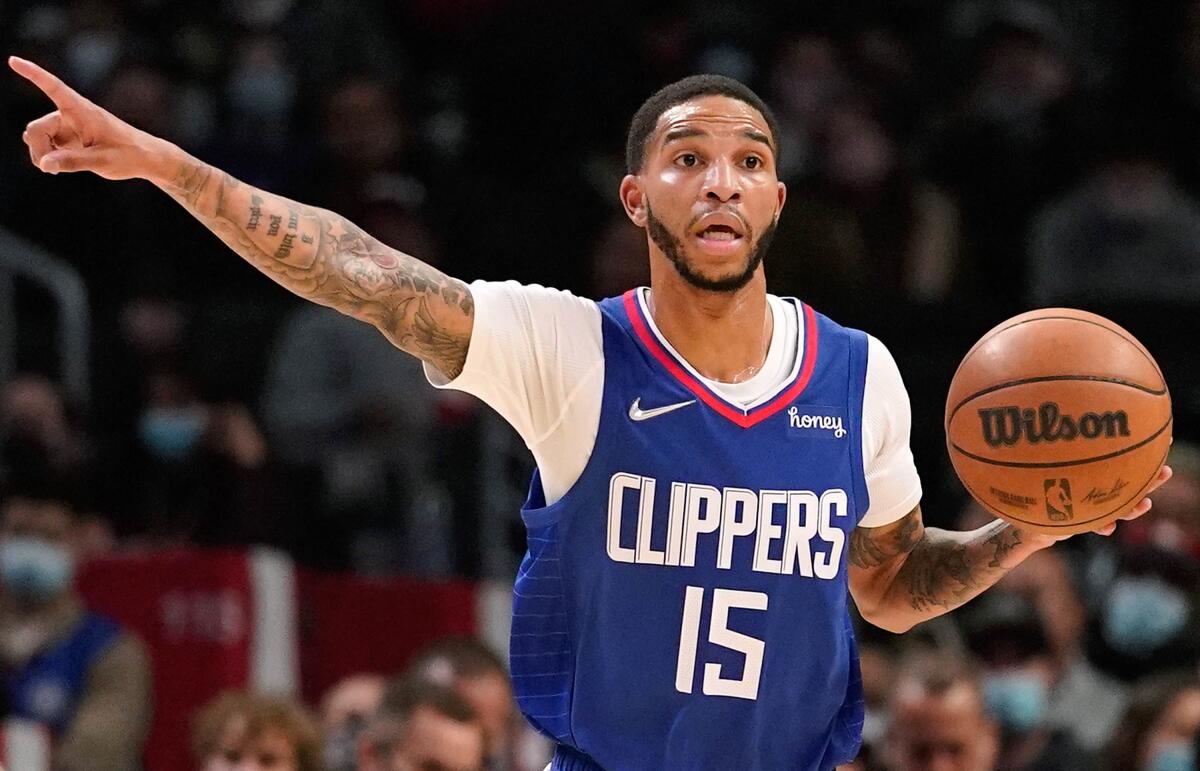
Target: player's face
point(708, 193)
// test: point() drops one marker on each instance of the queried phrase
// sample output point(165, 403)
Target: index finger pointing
point(60, 93)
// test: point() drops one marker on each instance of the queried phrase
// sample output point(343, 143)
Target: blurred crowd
point(451, 710)
point(949, 164)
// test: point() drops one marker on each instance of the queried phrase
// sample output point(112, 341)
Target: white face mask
point(34, 569)
point(1176, 756)
point(1143, 613)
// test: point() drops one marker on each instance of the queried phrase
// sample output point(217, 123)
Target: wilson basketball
point(1058, 420)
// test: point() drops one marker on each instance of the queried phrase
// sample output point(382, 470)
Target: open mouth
point(719, 233)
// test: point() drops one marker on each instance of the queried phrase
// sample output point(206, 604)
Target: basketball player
point(716, 465)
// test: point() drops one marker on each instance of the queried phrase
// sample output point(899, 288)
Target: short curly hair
point(646, 117)
point(261, 714)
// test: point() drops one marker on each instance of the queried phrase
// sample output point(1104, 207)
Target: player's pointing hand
point(79, 135)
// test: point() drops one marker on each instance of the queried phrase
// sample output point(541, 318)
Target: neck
point(723, 335)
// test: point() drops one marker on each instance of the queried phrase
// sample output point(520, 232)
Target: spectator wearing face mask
point(1019, 675)
point(203, 469)
point(242, 731)
point(79, 674)
point(1147, 620)
point(1159, 730)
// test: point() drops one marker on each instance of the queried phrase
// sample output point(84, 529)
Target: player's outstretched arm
point(315, 253)
point(904, 573)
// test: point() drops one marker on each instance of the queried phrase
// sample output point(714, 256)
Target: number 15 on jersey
point(719, 633)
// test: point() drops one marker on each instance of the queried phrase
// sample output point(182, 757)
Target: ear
point(782, 199)
point(633, 199)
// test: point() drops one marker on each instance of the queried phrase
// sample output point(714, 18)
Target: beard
point(673, 248)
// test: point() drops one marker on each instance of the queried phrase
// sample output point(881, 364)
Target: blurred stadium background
point(268, 498)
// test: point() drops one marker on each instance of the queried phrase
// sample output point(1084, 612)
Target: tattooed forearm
point(327, 259)
point(947, 568)
point(906, 573)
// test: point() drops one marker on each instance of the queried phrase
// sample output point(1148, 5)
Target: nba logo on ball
point(1058, 499)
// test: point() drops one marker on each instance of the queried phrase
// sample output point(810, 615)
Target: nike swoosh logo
point(637, 413)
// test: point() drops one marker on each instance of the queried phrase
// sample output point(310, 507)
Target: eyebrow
point(674, 135)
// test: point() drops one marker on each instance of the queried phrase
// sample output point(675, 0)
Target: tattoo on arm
point(946, 569)
point(922, 572)
point(327, 259)
point(869, 549)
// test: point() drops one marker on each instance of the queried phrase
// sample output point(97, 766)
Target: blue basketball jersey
point(684, 605)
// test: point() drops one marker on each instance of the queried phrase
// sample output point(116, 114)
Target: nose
point(722, 182)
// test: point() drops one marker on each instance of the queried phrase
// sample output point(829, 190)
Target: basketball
point(1058, 420)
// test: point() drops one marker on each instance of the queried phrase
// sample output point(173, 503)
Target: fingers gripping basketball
point(1058, 420)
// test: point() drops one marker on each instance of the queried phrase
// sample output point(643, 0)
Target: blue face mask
point(1017, 699)
point(1141, 614)
point(1178, 756)
point(35, 569)
point(170, 433)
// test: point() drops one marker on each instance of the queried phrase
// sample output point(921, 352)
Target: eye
point(753, 162)
point(688, 159)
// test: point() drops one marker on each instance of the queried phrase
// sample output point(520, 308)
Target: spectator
point(1084, 702)
point(345, 710)
point(422, 725)
point(1147, 620)
point(1159, 729)
point(1020, 675)
point(367, 138)
point(938, 718)
point(864, 222)
point(1012, 140)
point(480, 677)
point(37, 428)
point(242, 731)
point(356, 427)
point(1127, 233)
point(1175, 526)
point(808, 73)
point(79, 674)
point(203, 467)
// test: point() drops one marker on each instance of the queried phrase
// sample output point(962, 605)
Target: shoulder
point(124, 658)
point(531, 295)
point(884, 381)
point(887, 413)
